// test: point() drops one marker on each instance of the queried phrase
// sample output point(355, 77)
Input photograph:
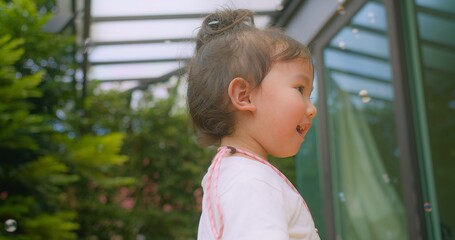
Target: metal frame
point(423, 149)
point(323, 38)
point(146, 82)
point(86, 47)
point(291, 8)
point(404, 124)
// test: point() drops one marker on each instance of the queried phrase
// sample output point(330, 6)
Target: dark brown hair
point(228, 45)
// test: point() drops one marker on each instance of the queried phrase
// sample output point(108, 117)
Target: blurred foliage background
point(92, 167)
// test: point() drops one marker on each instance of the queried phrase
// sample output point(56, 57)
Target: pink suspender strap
point(215, 167)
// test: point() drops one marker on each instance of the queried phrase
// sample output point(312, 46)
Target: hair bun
point(224, 21)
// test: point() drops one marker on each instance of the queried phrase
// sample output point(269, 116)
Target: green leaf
point(45, 174)
point(58, 226)
point(10, 50)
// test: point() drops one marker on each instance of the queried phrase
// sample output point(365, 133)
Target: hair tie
point(214, 23)
point(233, 149)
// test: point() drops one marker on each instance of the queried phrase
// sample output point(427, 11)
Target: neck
point(245, 144)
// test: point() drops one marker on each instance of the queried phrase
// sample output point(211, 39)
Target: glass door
point(364, 153)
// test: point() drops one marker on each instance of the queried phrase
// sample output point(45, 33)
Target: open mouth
point(303, 128)
point(299, 129)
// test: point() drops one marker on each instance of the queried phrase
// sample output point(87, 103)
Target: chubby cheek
point(293, 107)
point(290, 113)
point(281, 111)
point(281, 137)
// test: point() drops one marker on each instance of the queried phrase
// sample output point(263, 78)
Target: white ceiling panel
point(132, 70)
point(147, 51)
point(143, 29)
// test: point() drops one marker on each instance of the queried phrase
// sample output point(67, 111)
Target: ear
point(240, 93)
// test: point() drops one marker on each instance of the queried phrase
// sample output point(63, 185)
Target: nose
point(311, 111)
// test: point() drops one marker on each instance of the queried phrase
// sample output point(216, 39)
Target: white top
point(256, 203)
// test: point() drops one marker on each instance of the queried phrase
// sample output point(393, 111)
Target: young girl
point(248, 92)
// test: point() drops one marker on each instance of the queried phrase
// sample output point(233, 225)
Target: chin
point(286, 154)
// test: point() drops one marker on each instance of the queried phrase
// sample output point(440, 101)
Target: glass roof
point(145, 40)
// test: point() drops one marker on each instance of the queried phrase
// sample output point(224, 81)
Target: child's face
point(284, 110)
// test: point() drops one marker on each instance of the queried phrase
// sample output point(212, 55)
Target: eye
point(300, 89)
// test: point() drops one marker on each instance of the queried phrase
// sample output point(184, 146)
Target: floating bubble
point(355, 32)
point(342, 44)
point(371, 17)
point(427, 207)
point(10, 225)
point(342, 196)
point(386, 178)
point(364, 96)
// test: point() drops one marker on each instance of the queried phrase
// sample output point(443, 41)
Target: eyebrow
point(304, 77)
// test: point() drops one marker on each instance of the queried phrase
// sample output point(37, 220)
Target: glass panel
point(119, 86)
point(152, 34)
point(372, 16)
point(132, 71)
point(357, 64)
point(438, 58)
point(152, 29)
point(153, 51)
point(351, 34)
point(103, 8)
point(440, 5)
point(143, 29)
point(364, 154)
point(435, 29)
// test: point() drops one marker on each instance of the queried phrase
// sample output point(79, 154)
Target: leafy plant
point(45, 162)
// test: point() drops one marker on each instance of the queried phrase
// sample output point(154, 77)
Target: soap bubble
point(342, 44)
point(364, 96)
point(427, 207)
point(10, 225)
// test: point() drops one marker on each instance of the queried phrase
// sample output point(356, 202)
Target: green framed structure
point(382, 166)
